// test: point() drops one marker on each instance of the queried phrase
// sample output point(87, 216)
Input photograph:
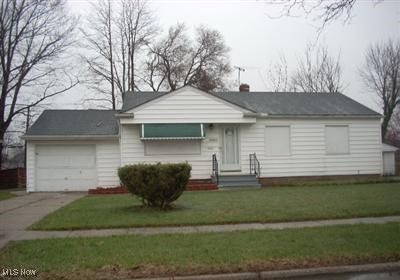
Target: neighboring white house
point(388, 159)
point(291, 134)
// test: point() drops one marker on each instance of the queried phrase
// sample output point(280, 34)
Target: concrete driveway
point(16, 214)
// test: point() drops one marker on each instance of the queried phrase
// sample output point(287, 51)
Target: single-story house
point(230, 136)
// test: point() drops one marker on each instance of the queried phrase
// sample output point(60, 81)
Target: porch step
point(238, 181)
point(237, 178)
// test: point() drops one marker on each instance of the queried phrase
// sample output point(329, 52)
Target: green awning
point(167, 131)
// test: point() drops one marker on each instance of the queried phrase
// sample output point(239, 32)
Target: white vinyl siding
point(308, 155)
point(337, 139)
point(108, 161)
point(133, 150)
point(188, 105)
point(277, 140)
point(172, 147)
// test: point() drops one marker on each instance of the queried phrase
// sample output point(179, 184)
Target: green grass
point(210, 252)
point(6, 194)
point(221, 207)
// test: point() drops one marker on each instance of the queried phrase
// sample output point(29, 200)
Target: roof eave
point(389, 148)
point(71, 137)
point(124, 115)
point(264, 115)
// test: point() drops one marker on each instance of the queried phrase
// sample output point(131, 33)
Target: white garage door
point(65, 168)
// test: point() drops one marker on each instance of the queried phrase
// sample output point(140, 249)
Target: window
point(170, 147)
point(277, 140)
point(337, 139)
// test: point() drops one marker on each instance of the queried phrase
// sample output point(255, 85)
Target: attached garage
point(73, 150)
point(65, 168)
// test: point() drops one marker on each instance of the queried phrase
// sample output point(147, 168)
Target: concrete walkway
point(30, 234)
point(16, 214)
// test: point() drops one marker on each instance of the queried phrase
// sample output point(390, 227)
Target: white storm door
point(230, 153)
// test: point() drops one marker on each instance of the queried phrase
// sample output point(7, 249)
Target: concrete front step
point(238, 179)
point(241, 181)
point(239, 185)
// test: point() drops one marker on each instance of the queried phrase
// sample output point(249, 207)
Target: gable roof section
point(275, 103)
point(75, 122)
point(133, 100)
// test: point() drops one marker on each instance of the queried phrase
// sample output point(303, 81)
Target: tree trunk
point(111, 61)
point(384, 125)
point(1, 149)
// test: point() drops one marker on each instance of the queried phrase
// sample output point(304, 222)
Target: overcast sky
point(256, 40)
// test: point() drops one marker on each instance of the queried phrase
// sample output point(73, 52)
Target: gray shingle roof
point(135, 99)
point(276, 103)
point(297, 103)
point(75, 122)
point(104, 122)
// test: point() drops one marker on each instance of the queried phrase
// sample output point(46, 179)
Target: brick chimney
point(244, 88)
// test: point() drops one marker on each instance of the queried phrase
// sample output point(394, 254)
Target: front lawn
point(240, 206)
point(168, 254)
point(6, 194)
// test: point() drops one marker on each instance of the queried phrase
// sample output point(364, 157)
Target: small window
point(277, 140)
point(337, 139)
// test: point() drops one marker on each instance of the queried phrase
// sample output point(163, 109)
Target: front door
point(230, 153)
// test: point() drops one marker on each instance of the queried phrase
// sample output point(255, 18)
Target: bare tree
point(393, 130)
point(137, 29)
point(114, 36)
point(34, 36)
point(381, 75)
point(324, 11)
point(278, 75)
point(99, 36)
point(176, 60)
point(318, 72)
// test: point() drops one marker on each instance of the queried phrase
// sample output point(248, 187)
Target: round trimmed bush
point(157, 185)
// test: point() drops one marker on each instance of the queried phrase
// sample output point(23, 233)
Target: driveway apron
point(16, 214)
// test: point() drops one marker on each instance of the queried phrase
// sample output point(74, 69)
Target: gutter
point(70, 137)
point(124, 115)
point(265, 116)
point(255, 115)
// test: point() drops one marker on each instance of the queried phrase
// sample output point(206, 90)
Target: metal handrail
point(254, 165)
point(215, 168)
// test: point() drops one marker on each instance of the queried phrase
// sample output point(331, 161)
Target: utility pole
point(239, 69)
